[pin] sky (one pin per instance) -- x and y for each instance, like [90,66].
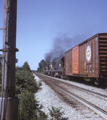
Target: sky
[40,23]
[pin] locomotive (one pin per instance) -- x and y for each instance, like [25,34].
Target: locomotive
[55,68]
[88,60]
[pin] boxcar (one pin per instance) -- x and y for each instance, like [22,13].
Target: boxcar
[88,59]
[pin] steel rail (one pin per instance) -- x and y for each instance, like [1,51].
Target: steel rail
[95,108]
[86,90]
[77,87]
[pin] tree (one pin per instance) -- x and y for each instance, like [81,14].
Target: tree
[26,66]
[25,81]
[41,65]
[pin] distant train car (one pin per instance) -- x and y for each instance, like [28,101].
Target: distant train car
[58,67]
[87,60]
[47,69]
[55,68]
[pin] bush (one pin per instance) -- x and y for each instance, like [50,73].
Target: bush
[26,86]
[56,114]
[29,109]
[25,81]
[26,105]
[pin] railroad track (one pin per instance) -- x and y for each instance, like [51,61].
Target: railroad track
[62,86]
[97,109]
[74,86]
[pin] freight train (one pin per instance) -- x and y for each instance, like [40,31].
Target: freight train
[88,60]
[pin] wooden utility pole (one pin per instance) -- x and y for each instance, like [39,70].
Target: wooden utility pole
[9,101]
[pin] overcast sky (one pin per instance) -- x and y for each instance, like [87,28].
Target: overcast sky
[41,22]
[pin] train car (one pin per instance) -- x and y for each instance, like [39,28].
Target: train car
[55,68]
[47,69]
[88,59]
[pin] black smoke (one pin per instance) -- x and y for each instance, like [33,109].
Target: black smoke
[61,44]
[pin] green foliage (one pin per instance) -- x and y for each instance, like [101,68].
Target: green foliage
[26,66]
[26,108]
[29,109]
[25,81]
[26,86]
[56,114]
[41,65]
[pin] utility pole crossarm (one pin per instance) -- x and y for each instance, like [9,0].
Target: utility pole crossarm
[2,29]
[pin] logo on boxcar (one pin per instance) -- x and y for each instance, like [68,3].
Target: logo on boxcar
[88,53]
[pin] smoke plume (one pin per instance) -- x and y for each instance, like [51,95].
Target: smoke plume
[61,44]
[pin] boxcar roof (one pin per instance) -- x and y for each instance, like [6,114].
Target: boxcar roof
[87,40]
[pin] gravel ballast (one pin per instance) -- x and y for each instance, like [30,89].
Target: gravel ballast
[48,98]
